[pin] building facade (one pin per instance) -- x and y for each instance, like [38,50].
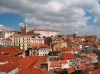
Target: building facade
[42,32]
[22,41]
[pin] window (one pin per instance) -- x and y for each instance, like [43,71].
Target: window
[40,50]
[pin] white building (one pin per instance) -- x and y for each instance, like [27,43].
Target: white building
[37,40]
[5,34]
[44,51]
[62,64]
[23,40]
[6,42]
[42,32]
[39,49]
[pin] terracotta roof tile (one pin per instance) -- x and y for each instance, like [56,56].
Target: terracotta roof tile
[40,61]
[66,56]
[33,44]
[82,66]
[8,67]
[89,55]
[58,63]
[33,61]
[97,71]
[3,58]
[8,39]
[97,42]
[33,71]
[63,61]
[55,64]
[73,69]
[39,45]
[12,50]
[59,38]
[10,63]
[69,49]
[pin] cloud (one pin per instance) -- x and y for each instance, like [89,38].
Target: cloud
[5,27]
[63,15]
[54,6]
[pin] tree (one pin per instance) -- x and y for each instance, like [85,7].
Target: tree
[77,72]
[64,71]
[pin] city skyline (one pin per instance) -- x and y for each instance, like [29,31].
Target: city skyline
[65,16]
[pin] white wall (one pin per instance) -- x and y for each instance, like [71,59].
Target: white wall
[65,65]
[37,40]
[44,51]
[47,33]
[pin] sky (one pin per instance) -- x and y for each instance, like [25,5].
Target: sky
[62,15]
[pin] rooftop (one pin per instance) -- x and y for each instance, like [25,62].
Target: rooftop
[66,56]
[11,50]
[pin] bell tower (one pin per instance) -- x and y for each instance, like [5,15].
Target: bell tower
[75,34]
[24,28]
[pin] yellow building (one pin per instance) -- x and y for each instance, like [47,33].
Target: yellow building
[57,47]
[22,40]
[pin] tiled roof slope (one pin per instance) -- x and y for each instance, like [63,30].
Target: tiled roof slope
[8,67]
[97,71]
[32,61]
[33,71]
[66,56]
[12,50]
[10,63]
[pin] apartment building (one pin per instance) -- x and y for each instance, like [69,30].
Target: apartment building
[23,40]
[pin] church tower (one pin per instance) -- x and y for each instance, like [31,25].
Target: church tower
[24,28]
[75,34]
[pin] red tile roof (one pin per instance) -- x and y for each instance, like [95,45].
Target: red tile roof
[44,45]
[40,61]
[56,69]
[59,38]
[82,66]
[33,44]
[89,36]
[8,39]
[33,61]
[89,44]
[12,50]
[3,58]
[55,64]
[97,42]
[90,55]
[39,45]
[9,63]
[33,71]
[87,66]
[63,61]
[70,70]
[66,56]
[25,62]
[8,67]
[69,49]
[97,71]
[58,63]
